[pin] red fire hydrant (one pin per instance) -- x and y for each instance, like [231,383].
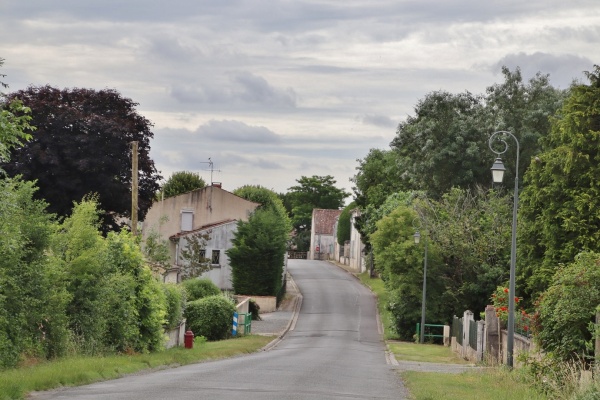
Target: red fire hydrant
[188,339]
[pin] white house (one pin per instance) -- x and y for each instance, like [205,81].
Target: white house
[322,235]
[210,210]
[219,236]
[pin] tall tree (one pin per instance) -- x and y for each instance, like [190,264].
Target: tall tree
[523,108]
[310,193]
[466,233]
[344,227]
[83,145]
[378,176]
[15,125]
[442,145]
[445,144]
[182,182]
[257,255]
[560,204]
[2,84]
[268,199]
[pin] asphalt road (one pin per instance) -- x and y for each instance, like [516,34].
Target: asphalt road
[333,352]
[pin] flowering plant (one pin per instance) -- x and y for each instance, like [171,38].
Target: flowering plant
[523,320]
[500,302]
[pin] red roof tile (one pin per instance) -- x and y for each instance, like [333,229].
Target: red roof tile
[324,220]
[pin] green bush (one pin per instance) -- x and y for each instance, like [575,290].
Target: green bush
[345,224]
[151,304]
[210,317]
[32,292]
[118,295]
[176,299]
[405,310]
[200,288]
[568,308]
[254,308]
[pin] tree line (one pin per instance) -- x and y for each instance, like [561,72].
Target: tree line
[437,172]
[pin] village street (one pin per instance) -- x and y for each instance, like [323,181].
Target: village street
[333,351]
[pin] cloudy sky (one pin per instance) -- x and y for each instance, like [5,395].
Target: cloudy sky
[272,90]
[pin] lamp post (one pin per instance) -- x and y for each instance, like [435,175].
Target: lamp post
[417,239]
[497,175]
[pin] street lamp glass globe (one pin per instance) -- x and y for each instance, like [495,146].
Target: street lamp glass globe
[417,237]
[498,170]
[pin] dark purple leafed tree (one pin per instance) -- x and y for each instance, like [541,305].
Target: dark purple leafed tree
[82,146]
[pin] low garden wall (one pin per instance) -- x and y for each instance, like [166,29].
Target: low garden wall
[267,304]
[176,336]
[485,340]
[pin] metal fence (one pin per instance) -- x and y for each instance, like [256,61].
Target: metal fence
[297,255]
[473,334]
[457,329]
[523,324]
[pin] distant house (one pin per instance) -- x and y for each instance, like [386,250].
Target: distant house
[322,234]
[209,210]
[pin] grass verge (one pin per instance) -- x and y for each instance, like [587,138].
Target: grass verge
[434,353]
[493,383]
[377,287]
[16,383]
[490,383]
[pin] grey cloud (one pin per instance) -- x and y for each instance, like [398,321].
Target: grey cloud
[256,89]
[140,10]
[172,49]
[244,87]
[328,69]
[266,164]
[561,68]
[379,120]
[236,131]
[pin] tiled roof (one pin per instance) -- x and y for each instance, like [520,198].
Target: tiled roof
[202,228]
[324,220]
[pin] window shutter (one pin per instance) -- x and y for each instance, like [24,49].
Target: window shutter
[187,220]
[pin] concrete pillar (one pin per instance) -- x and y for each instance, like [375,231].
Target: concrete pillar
[467,318]
[492,331]
[447,335]
[480,340]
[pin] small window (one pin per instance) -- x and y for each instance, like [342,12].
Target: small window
[202,256]
[216,256]
[187,220]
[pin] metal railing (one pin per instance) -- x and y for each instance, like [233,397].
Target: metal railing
[297,255]
[245,322]
[427,332]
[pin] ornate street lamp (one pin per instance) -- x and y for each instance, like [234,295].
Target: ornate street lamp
[497,175]
[417,238]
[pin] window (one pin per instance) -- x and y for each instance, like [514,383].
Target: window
[187,220]
[216,256]
[202,256]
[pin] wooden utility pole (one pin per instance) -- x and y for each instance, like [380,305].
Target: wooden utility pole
[134,187]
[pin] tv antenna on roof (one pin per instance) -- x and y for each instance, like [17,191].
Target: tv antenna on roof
[210,168]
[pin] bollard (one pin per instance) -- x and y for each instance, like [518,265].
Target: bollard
[235,324]
[188,339]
